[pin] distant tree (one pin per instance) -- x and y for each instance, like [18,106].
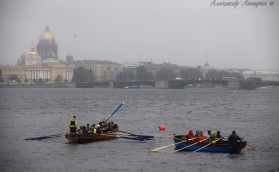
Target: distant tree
[222,74]
[143,75]
[211,74]
[125,76]
[165,75]
[82,74]
[191,74]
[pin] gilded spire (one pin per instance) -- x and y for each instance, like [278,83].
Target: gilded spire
[33,48]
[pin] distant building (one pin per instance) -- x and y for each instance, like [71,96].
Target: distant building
[31,57]
[47,46]
[153,68]
[40,67]
[263,75]
[8,71]
[205,68]
[103,70]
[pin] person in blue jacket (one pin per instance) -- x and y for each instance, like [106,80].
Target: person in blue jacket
[233,138]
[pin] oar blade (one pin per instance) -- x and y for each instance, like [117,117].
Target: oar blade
[45,137]
[158,149]
[131,138]
[38,138]
[118,107]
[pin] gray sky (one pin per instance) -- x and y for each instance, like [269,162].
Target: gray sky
[183,32]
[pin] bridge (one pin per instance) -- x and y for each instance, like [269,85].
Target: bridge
[234,84]
[181,84]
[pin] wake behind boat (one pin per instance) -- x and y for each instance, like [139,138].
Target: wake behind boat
[218,147]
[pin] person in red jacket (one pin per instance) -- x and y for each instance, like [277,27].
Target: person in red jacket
[190,135]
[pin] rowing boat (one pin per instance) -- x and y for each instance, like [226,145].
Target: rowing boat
[218,147]
[86,138]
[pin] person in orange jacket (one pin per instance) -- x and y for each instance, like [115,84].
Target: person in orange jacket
[201,136]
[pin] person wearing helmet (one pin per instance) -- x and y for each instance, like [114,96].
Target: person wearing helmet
[73,124]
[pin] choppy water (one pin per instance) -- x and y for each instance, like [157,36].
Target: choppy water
[29,112]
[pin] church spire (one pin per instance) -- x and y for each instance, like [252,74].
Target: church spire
[33,48]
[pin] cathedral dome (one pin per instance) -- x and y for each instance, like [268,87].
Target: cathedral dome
[47,35]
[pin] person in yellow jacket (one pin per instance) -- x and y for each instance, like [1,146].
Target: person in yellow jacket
[73,124]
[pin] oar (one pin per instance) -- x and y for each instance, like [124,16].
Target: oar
[188,146]
[119,106]
[163,147]
[133,138]
[252,145]
[137,135]
[124,137]
[143,137]
[207,145]
[45,137]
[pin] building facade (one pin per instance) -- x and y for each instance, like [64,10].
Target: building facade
[8,72]
[103,70]
[38,67]
[272,75]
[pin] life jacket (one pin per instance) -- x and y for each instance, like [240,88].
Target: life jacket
[94,130]
[201,137]
[73,122]
[190,136]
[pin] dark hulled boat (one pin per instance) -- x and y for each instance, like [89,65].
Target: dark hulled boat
[218,147]
[86,138]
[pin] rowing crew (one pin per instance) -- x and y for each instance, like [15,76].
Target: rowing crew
[210,136]
[102,127]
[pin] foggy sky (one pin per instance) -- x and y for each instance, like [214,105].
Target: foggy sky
[183,32]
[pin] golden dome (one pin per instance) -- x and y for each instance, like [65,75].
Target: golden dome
[47,35]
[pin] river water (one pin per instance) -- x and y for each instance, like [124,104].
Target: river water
[32,112]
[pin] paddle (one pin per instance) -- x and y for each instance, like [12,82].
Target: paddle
[125,137]
[188,146]
[163,147]
[119,106]
[207,145]
[133,138]
[252,145]
[45,137]
[137,135]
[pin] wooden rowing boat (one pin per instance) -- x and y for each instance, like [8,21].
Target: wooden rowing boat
[86,138]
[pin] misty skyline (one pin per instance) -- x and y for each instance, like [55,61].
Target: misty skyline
[187,33]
